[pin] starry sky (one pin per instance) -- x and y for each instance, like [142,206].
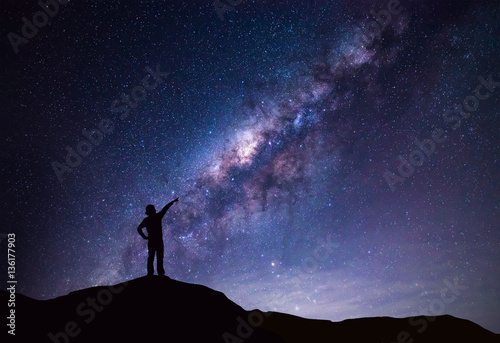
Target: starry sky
[331,161]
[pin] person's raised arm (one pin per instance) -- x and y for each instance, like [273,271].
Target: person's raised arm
[139,229]
[167,206]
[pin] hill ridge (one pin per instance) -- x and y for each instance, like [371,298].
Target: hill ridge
[148,308]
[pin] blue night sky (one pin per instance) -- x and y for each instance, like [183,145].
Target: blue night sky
[331,161]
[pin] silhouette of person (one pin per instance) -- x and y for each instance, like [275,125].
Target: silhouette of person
[152,223]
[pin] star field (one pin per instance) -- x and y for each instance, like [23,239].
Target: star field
[322,165]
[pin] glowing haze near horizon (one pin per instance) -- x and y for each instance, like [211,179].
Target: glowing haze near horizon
[275,129]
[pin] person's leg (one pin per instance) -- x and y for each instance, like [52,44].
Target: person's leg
[159,259]
[151,257]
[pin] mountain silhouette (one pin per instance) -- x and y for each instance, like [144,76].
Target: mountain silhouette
[159,309]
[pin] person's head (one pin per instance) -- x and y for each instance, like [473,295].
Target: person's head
[150,209]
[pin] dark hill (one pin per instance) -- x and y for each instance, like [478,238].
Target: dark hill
[164,310]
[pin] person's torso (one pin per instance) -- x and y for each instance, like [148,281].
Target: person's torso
[153,227]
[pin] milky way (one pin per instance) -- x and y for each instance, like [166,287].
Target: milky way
[276,128]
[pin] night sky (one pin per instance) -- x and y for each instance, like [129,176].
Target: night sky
[327,165]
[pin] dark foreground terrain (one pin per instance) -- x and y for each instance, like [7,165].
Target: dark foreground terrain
[163,310]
